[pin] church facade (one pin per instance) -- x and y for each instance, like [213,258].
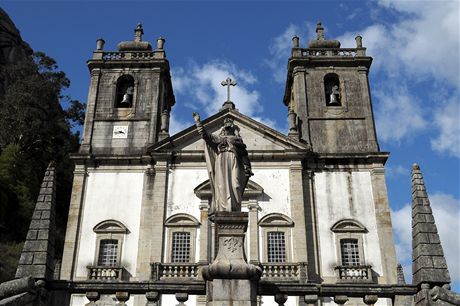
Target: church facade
[317,202]
[140,228]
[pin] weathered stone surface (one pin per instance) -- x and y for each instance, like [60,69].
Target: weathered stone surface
[37,257]
[428,263]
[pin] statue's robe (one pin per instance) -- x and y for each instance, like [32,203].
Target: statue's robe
[226,160]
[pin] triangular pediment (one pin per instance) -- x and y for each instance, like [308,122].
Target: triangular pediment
[257,136]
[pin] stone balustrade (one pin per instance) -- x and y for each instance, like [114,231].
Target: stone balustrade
[105,273]
[164,271]
[352,274]
[329,52]
[284,272]
[128,55]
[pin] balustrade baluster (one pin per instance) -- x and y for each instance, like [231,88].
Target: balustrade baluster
[181,298]
[122,297]
[153,298]
[93,297]
[281,298]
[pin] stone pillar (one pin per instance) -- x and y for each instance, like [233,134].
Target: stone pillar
[299,235]
[253,207]
[384,228]
[85,146]
[300,96]
[234,281]
[146,233]
[204,228]
[73,222]
[372,144]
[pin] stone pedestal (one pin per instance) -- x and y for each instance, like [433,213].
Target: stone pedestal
[234,281]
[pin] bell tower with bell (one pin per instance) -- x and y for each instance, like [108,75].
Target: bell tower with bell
[327,94]
[130,98]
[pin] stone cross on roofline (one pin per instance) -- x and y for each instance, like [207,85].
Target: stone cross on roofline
[228,82]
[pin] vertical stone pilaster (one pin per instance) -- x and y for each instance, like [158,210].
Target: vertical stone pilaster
[384,228]
[85,146]
[155,110]
[204,228]
[160,189]
[299,235]
[253,232]
[300,98]
[372,144]
[311,226]
[146,233]
[73,223]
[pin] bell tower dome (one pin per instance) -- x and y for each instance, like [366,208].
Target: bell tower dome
[130,98]
[328,97]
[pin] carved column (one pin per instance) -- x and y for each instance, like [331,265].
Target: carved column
[299,235]
[253,207]
[204,207]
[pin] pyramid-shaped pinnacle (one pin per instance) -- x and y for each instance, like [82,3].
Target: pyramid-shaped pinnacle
[428,263]
[37,257]
[400,273]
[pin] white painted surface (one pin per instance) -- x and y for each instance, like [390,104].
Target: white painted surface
[111,195]
[343,195]
[275,183]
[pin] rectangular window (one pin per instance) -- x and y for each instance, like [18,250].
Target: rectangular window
[350,252]
[108,250]
[276,247]
[180,247]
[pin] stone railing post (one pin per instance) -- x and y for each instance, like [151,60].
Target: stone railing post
[310,299]
[153,297]
[340,299]
[370,299]
[281,298]
[122,297]
[181,298]
[93,297]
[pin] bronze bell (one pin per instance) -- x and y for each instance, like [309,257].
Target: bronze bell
[334,96]
[127,97]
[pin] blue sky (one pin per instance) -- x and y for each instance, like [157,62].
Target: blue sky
[414,78]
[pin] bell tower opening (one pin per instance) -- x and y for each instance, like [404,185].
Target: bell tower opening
[332,89]
[125,91]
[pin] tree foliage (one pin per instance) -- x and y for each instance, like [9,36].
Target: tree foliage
[35,128]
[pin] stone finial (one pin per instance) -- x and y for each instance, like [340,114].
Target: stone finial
[320,42]
[37,257]
[319,31]
[400,274]
[100,44]
[138,32]
[160,43]
[359,41]
[428,263]
[295,41]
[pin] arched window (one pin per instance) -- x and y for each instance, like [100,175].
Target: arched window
[125,91]
[351,266]
[332,89]
[109,245]
[181,233]
[276,237]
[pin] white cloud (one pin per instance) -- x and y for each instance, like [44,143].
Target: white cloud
[396,170]
[447,120]
[176,125]
[446,211]
[398,114]
[200,88]
[280,51]
[422,46]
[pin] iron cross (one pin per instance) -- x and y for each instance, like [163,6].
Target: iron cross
[228,82]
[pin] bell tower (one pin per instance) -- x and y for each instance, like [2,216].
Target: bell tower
[328,97]
[130,98]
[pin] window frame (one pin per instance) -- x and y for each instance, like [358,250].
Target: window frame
[346,229]
[276,222]
[180,223]
[109,230]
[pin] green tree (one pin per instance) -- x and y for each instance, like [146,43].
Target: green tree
[34,129]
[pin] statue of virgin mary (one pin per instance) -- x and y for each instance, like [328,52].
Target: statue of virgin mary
[228,165]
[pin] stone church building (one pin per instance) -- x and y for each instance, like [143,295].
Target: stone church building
[319,219]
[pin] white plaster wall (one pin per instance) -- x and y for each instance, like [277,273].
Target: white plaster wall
[114,195]
[182,199]
[341,195]
[275,183]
